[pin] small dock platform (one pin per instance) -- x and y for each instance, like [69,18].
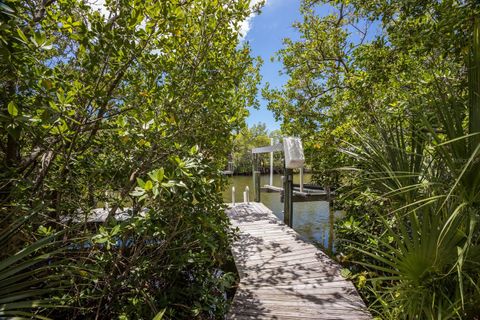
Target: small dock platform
[283,276]
[308,194]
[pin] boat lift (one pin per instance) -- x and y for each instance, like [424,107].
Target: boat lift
[294,158]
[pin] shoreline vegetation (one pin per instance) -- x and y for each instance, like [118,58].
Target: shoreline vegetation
[119,102]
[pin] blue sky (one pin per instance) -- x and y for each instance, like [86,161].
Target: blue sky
[265,37]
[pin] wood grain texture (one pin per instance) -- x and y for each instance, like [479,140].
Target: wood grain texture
[284,277]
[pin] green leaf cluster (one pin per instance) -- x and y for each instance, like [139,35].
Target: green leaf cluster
[94,101]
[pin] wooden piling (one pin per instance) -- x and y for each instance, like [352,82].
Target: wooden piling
[256,185]
[288,195]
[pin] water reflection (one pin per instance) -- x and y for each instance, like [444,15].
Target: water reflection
[310,219]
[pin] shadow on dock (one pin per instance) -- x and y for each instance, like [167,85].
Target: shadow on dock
[284,277]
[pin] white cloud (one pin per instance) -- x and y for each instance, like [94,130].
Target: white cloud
[99,5]
[246,24]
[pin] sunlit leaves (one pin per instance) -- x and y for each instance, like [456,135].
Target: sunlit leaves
[12,109]
[94,100]
[22,35]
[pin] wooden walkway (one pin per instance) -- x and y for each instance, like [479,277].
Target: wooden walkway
[284,277]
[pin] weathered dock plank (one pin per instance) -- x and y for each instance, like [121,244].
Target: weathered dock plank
[284,277]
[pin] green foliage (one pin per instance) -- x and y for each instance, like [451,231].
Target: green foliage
[92,102]
[167,257]
[423,251]
[31,276]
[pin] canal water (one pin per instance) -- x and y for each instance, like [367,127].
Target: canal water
[312,220]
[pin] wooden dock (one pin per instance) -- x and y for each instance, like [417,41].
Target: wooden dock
[283,276]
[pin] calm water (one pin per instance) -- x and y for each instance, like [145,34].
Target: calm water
[312,220]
